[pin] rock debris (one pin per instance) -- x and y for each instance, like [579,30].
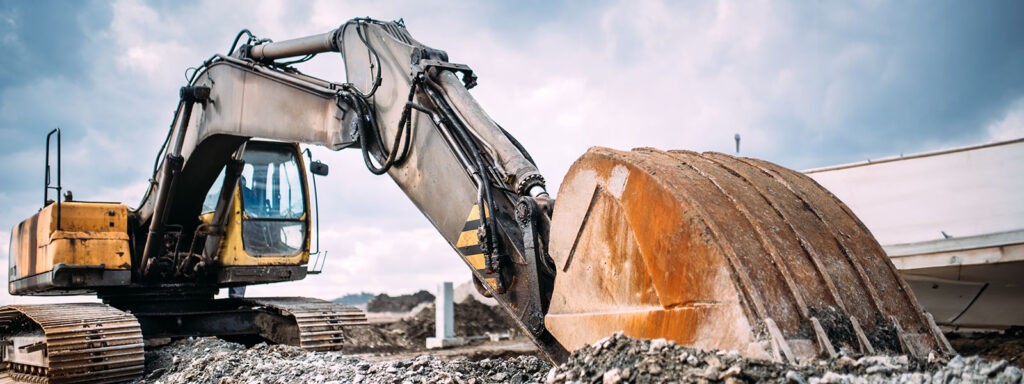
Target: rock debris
[613,360]
[214,361]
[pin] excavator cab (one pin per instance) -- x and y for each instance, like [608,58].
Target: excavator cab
[267,233]
[74,247]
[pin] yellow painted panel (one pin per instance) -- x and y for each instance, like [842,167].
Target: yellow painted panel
[85,217]
[232,253]
[468,238]
[91,234]
[111,253]
[24,243]
[477,261]
[206,218]
[474,213]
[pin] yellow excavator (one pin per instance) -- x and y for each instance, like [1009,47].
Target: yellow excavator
[709,250]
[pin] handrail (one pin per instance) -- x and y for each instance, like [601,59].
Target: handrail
[46,184]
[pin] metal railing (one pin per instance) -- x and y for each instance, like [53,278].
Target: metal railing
[46,184]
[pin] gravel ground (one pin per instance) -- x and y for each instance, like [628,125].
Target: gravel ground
[1008,345]
[620,359]
[214,361]
[617,359]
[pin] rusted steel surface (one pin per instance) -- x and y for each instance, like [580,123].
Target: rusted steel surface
[85,343]
[319,324]
[721,252]
[90,234]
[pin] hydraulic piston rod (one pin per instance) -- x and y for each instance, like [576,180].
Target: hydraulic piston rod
[324,42]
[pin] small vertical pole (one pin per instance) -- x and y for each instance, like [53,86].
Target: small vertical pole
[444,319]
[445,313]
[58,179]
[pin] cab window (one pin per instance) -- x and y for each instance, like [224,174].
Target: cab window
[270,185]
[273,201]
[210,202]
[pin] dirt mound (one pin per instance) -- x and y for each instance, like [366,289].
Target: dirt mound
[377,338]
[467,289]
[403,303]
[1007,345]
[354,298]
[472,318]
[417,328]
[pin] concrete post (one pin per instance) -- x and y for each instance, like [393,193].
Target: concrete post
[444,319]
[444,316]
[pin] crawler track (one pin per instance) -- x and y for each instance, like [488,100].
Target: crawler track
[320,323]
[84,343]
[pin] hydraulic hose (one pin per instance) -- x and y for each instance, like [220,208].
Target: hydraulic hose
[368,128]
[434,90]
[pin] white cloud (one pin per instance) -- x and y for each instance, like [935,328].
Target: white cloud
[8,25]
[662,74]
[1011,125]
[621,74]
[5,244]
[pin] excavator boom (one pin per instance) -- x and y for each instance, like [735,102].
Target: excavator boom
[709,250]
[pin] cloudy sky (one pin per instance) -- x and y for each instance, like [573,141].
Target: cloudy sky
[806,84]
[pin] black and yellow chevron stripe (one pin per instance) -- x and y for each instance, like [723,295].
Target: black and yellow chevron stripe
[469,244]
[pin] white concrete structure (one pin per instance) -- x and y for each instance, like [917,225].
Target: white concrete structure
[444,319]
[952,221]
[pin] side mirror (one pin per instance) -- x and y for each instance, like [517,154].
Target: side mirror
[318,168]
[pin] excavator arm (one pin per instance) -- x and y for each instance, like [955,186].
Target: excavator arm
[410,113]
[705,249]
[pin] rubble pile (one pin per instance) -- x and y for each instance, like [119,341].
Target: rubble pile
[415,328]
[379,338]
[616,359]
[620,359]
[472,318]
[403,303]
[213,361]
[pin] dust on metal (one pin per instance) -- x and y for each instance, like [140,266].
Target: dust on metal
[721,252]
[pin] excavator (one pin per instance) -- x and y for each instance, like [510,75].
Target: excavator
[709,250]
